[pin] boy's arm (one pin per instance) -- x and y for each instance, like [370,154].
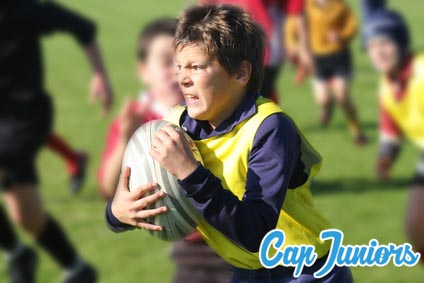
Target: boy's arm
[295,10]
[122,128]
[349,27]
[274,155]
[110,164]
[46,17]
[389,145]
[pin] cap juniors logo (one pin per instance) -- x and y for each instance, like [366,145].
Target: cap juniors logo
[299,256]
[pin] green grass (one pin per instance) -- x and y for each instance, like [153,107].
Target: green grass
[346,189]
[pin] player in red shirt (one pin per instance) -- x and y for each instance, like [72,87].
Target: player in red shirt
[195,261]
[270,15]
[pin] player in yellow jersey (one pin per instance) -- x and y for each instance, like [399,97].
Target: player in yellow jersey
[401,98]
[257,165]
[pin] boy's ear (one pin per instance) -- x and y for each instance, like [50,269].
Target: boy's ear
[244,73]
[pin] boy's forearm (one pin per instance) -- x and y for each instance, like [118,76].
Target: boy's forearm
[95,58]
[245,222]
[112,170]
[350,28]
[302,32]
[387,155]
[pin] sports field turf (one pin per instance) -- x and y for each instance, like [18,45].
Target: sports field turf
[346,189]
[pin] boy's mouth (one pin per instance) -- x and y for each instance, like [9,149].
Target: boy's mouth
[190,98]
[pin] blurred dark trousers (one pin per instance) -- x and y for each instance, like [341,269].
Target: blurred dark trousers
[285,275]
[196,262]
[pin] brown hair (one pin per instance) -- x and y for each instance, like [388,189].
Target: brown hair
[163,26]
[228,34]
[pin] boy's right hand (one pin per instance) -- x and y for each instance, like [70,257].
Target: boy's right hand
[132,207]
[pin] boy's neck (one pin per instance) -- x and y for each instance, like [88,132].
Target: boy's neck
[401,69]
[157,106]
[228,111]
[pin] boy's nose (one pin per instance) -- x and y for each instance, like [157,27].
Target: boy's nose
[184,80]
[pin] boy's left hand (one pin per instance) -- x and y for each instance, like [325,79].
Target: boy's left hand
[171,149]
[100,90]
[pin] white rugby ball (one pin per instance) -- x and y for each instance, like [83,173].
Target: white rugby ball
[181,218]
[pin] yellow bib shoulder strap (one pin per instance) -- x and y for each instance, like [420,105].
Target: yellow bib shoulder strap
[174,115]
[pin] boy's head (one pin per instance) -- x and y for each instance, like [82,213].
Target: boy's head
[387,40]
[155,66]
[219,58]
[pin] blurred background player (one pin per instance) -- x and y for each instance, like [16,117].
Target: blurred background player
[195,261]
[271,14]
[331,27]
[401,96]
[25,126]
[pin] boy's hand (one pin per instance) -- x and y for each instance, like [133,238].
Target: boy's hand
[171,149]
[100,89]
[132,208]
[333,36]
[131,118]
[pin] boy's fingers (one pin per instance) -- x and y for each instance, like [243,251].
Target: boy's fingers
[163,135]
[125,179]
[147,201]
[142,190]
[143,214]
[172,131]
[147,226]
[157,141]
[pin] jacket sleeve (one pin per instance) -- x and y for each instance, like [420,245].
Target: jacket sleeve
[273,158]
[113,223]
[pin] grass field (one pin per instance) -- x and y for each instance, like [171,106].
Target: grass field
[346,189]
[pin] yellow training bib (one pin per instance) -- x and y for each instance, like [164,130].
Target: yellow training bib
[226,156]
[408,113]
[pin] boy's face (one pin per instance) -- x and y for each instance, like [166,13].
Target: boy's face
[383,54]
[210,92]
[157,72]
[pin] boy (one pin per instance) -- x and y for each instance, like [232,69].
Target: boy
[331,28]
[271,16]
[401,106]
[195,261]
[258,167]
[25,123]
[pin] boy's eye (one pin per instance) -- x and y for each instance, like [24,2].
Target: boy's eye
[197,67]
